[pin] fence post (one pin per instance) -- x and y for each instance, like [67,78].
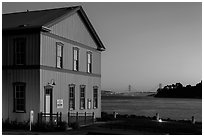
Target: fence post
[68,118]
[40,117]
[77,117]
[51,117]
[57,118]
[60,116]
[85,117]
[93,117]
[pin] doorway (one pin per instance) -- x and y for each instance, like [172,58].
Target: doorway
[48,102]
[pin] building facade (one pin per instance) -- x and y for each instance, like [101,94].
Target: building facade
[51,63]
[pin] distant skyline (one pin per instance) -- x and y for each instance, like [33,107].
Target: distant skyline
[146,43]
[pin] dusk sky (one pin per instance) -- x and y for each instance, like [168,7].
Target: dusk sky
[146,43]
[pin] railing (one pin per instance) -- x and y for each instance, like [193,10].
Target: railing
[54,118]
[80,118]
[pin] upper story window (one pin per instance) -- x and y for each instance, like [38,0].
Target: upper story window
[76,59]
[71,97]
[20,51]
[82,96]
[95,97]
[59,54]
[19,97]
[89,62]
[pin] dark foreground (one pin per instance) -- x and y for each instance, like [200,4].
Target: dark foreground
[126,126]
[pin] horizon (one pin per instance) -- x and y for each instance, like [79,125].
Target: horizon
[146,43]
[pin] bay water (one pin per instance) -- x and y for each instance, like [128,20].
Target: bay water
[173,108]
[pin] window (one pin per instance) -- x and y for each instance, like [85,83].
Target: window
[95,97]
[19,97]
[76,59]
[82,96]
[19,51]
[89,62]
[71,97]
[59,54]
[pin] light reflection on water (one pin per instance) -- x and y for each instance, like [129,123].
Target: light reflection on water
[173,108]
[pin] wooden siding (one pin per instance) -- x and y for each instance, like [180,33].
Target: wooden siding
[73,28]
[61,90]
[48,55]
[32,48]
[31,78]
[96,63]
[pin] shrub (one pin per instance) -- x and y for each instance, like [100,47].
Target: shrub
[7,124]
[43,126]
[75,125]
[62,126]
[49,126]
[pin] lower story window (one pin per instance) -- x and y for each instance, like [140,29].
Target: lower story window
[95,97]
[19,97]
[82,97]
[71,97]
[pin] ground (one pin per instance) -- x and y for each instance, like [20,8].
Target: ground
[129,126]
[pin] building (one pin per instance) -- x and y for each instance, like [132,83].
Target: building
[51,63]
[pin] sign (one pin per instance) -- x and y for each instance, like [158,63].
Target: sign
[59,103]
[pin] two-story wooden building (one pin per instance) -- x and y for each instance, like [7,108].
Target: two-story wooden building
[51,63]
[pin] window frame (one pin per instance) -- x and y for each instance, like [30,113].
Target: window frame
[15,98]
[22,54]
[89,64]
[82,98]
[59,44]
[72,98]
[95,98]
[77,60]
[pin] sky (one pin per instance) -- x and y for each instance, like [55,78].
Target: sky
[146,43]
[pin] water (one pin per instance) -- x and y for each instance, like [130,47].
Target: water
[173,108]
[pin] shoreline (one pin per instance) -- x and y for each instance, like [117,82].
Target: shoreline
[150,95]
[152,124]
[110,116]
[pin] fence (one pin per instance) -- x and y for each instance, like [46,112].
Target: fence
[50,117]
[81,118]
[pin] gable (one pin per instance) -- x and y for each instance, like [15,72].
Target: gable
[74,28]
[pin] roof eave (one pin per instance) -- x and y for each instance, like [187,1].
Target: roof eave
[45,29]
[40,28]
[101,49]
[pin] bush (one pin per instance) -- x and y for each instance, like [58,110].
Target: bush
[49,126]
[75,125]
[7,124]
[106,117]
[14,125]
[62,126]
[43,127]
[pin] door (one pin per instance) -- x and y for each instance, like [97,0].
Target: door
[48,103]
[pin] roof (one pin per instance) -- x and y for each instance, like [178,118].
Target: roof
[46,18]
